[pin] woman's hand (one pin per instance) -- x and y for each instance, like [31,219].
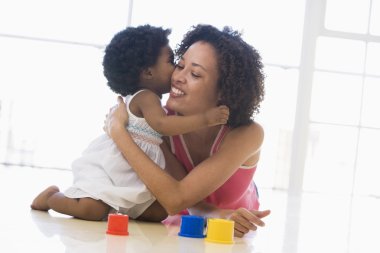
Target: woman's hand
[116,119]
[246,220]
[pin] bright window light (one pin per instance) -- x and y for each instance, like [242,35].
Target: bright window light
[330,159]
[373,59]
[374,27]
[347,15]
[84,21]
[336,98]
[371,103]
[340,55]
[368,174]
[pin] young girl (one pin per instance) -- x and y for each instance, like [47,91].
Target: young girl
[138,64]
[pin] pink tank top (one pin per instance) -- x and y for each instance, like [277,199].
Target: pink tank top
[238,191]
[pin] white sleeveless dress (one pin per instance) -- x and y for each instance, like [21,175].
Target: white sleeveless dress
[102,173]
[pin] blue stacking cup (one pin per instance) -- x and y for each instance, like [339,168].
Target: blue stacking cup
[192,226]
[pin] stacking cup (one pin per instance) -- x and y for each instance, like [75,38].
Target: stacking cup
[192,226]
[220,231]
[118,224]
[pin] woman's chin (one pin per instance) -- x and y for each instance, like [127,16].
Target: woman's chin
[169,104]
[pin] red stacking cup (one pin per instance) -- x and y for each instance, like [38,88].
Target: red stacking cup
[117,224]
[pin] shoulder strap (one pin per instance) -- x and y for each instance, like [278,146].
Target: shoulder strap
[222,132]
[128,100]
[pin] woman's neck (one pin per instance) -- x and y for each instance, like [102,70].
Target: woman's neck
[200,142]
[207,133]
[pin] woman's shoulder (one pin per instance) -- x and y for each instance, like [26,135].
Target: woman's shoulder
[253,129]
[250,135]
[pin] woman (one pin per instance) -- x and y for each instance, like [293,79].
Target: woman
[214,68]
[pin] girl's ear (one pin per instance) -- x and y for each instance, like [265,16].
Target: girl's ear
[147,74]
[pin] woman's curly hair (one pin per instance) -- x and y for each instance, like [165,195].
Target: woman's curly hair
[129,52]
[241,77]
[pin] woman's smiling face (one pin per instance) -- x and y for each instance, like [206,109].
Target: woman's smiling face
[194,80]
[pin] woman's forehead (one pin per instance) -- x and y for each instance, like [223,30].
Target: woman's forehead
[201,53]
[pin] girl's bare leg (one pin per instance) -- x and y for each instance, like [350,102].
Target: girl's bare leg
[40,202]
[83,208]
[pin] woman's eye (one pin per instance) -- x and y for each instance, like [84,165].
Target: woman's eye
[178,66]
[195,75]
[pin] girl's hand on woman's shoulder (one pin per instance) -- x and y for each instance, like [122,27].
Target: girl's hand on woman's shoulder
[247,220]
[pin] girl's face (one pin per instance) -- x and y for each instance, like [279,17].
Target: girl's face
[194,80]
[162,71]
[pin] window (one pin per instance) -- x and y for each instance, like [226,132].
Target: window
[53,96]
[320,112]
[344,125]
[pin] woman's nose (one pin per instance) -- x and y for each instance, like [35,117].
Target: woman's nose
[178,76]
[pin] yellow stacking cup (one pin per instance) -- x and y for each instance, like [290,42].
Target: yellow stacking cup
[220,231]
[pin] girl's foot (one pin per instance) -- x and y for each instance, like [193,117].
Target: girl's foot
[40,202]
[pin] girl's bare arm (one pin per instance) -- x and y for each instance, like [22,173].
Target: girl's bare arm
[150,106]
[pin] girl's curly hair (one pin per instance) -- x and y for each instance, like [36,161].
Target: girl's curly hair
[129,52]
[241,77]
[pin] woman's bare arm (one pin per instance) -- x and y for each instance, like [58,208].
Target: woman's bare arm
[240,145]
[173,166]
[245,220]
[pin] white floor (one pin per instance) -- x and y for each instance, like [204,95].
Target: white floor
[308,223]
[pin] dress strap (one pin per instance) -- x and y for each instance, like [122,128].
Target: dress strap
[179,148]
[222,132]
[129,98]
